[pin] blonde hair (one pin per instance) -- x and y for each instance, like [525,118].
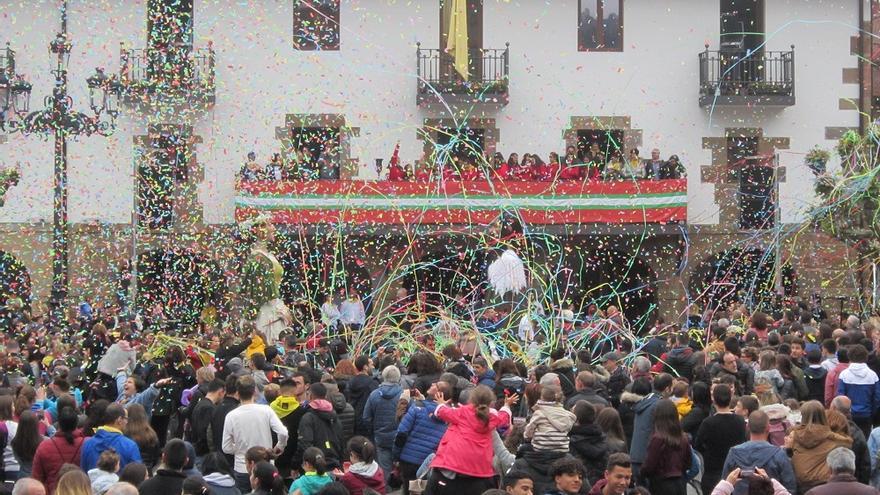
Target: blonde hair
[74,483]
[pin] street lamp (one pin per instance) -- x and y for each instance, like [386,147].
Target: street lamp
[59,120]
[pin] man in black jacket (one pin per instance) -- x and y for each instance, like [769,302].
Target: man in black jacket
[230,401]
[202,416]
[168,479]
[358,391]
[584,384]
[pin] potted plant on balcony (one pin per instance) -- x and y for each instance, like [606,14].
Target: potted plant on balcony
[9,177]
[817,159]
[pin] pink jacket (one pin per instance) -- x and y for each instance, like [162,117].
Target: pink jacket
[466,447]
[831,382]
[725,488]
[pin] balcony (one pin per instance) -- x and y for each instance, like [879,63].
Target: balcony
[7,61]
[736,78]
[154,79]
[440,85]
[334,202]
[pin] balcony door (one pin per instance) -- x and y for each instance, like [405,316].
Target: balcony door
[475,41]
[741,43]
[462,144]
[169,39]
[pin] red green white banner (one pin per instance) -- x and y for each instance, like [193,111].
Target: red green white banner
[463,202]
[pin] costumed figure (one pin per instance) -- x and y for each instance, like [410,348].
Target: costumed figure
[261,284]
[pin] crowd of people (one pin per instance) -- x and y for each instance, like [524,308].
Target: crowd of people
[592,164]
[737,402]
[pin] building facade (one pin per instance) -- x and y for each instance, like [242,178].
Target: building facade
[208,81]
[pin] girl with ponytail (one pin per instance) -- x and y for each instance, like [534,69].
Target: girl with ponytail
[314,473]
[463,464]
[364,472]
[265,480]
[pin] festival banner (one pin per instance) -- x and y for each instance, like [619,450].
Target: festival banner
[463,202]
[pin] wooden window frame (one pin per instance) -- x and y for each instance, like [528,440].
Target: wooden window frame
[315,47]
[601,28]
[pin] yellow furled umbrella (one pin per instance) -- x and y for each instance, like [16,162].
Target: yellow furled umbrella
[457,38]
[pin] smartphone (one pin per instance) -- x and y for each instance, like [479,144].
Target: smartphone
[747,473]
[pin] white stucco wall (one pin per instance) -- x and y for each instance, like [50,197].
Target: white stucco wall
[371,80]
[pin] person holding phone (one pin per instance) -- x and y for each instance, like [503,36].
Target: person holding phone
[759,481]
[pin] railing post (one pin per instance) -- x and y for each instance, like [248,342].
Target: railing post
[791,61]
[123,63]
[507,62]
[211,70]
[10,61]
[419,61]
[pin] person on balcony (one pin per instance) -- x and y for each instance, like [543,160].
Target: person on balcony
[395,172]
[251,171]
[674,168]
[553,168]
[275,169]
[572,170]
[506,168]
[655,168]
[632,167]
[524,170]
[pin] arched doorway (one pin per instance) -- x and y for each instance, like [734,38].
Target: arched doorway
[15,288]
[179,281]
[738,275]
[608,277]
[447,274]
[313,269]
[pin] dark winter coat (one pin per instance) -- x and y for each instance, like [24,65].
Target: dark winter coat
[643,426]
[680,361]
[587,443]
[357,393]
[627,413]
[165,482]
[345,413]
[380,414]
[655,348]
[587,394]
[537,464]
[320,429]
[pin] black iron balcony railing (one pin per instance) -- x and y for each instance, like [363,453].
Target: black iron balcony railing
[181,72]
[743,78]
[7,61]
[489,75]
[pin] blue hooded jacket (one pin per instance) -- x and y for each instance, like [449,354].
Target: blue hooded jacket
[421,431]
[643,426]
[488,379]
[380,414]
[861,385]
[93,447]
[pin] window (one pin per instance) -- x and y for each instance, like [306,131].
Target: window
[316,24]
[600,25]
[319,151]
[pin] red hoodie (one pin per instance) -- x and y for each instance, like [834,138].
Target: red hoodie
[357,482]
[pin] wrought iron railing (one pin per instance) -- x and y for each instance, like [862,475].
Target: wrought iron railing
[7,61]
[179,68]
[489,71]
[740,73]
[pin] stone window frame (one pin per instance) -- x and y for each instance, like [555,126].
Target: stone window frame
[632,138]
[348,165]
[427,134]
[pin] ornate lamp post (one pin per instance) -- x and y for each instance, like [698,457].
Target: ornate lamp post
[58,119]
